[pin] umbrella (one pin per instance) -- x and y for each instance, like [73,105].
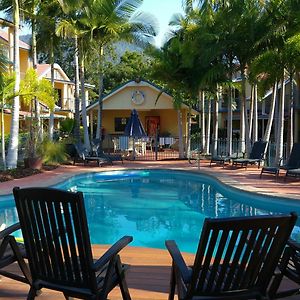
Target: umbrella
[134,128]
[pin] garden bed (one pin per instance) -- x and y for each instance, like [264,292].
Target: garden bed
[21,172]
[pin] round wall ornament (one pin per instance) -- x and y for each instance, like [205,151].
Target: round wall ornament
[138,97]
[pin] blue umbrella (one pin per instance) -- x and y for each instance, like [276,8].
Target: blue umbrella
[134,129]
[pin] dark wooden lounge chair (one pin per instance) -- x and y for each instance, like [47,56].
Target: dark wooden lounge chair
[292,173]
[292,165]
[236,258]
[57,242]
[256,156]
[82,154]
[289,266]
[11,252]
[222,159]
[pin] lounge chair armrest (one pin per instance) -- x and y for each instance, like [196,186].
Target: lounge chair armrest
[9,230]
[112,251]
[293,244]
[178,260]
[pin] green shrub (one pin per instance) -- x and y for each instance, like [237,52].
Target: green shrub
[66,126]
[53,153]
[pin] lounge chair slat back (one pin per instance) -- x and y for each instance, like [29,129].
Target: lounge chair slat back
[237,254]
[294,158]
[258,150]
[57,237]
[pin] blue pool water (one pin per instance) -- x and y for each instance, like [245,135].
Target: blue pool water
[156,205]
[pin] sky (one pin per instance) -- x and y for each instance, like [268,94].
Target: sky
[163,10]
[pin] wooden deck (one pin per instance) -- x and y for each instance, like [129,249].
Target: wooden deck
[148,278]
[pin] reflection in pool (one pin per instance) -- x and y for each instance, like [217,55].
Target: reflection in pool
[155,205]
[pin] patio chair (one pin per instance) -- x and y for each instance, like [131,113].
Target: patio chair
[289,266]
[236,258]
[82,154]
[57,242]
[256,155]
[222,159]
[10,252]
[292,165]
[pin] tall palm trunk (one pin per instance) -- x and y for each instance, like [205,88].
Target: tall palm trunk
[189,133]
[51,118]
[2,136]
[202,108]
[271,113]
[34,63]
[86,136]
[12,156]
[180,135]
[208,120]
[290,129]
[215,125]
[251,112]
[76,95]
[255,115]
[246,123]
[100,98]
[229,123]
[279,137]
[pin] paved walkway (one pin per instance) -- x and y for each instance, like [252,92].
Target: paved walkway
[150,268]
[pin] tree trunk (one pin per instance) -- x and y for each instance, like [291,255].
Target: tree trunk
[34,63]
[202,108]
[180,136]
[189,133]
[12,156]
[290,129]
[255,116]
[86,136]
[76,94]
[51,118]
[207,144]
[229,123]
[2,136]
[216,124]
[242,125]
[251,112]
[271,114]
[100,97]
[246,123]
[279,137]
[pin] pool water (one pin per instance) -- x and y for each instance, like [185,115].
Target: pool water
[156,205]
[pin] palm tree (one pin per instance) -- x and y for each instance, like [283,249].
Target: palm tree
[111,20]
[48,41]
[6,88]
[12,152]
[70,27]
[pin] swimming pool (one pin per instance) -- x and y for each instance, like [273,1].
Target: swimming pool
[155,205]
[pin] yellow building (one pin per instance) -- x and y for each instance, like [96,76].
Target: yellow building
[65,87]
[142,95]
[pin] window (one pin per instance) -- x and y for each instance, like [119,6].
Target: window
[120,124]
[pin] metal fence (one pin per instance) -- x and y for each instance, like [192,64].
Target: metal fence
[164,148]
[236,144]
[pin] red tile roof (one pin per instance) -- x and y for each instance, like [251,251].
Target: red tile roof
[41,68]
[4,36]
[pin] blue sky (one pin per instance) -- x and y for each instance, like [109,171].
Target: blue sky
[163,11]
